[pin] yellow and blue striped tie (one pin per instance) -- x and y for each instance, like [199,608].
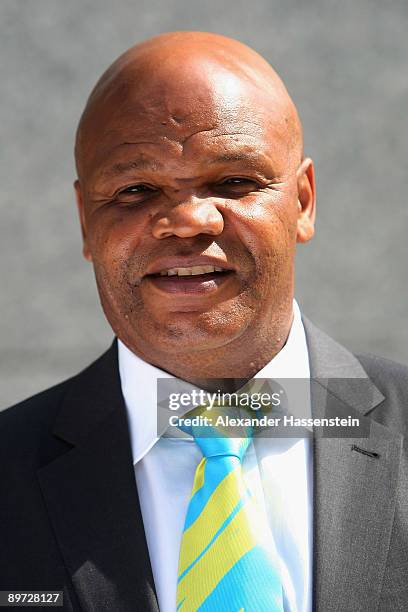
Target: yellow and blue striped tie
[223,566]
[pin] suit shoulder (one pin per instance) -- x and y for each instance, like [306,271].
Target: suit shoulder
[391,378]
[44,404]
[28,426]
[39,407]
[385,372]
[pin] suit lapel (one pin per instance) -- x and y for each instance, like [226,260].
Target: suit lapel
[354,492]
[91,496]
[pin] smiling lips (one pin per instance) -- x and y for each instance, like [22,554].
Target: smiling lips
[194,279]
[190,271]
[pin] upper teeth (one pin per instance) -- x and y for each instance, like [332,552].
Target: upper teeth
[189,271]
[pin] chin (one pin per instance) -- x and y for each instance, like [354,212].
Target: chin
[189,332]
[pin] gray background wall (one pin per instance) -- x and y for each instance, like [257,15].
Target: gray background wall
[345,64]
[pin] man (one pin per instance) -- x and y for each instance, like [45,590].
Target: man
[193,191]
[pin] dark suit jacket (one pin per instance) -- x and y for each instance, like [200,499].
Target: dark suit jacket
[69,511]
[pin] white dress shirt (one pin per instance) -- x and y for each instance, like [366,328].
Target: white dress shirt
[278,471]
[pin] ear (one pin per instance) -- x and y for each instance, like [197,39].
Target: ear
[306,200]
[81,211]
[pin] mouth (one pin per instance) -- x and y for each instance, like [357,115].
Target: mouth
[190,279]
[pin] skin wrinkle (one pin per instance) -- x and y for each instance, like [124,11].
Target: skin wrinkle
[196,108]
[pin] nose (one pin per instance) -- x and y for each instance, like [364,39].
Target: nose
[188,219]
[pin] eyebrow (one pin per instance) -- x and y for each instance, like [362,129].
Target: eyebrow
[227,157]
[258,159]
[135,164]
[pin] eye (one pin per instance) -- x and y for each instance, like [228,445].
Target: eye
[140,188]
[235,180]
[238,185]
[135,193]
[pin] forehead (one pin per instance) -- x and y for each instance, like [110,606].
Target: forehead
[212,114]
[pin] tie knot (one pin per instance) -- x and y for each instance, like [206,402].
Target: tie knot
[223,447]
[213,436]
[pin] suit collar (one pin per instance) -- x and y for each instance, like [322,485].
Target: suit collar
[333,366]
[91,396]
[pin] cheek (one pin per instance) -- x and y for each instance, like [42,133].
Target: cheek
[112,235]
[115,242]
[119,240]
[267,226]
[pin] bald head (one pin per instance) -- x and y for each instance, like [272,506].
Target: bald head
[183,73]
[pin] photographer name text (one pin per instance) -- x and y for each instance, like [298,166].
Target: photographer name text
[285,421]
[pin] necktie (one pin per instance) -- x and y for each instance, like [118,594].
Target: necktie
[223,563]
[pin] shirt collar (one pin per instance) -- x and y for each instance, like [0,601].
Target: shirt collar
[139,383]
